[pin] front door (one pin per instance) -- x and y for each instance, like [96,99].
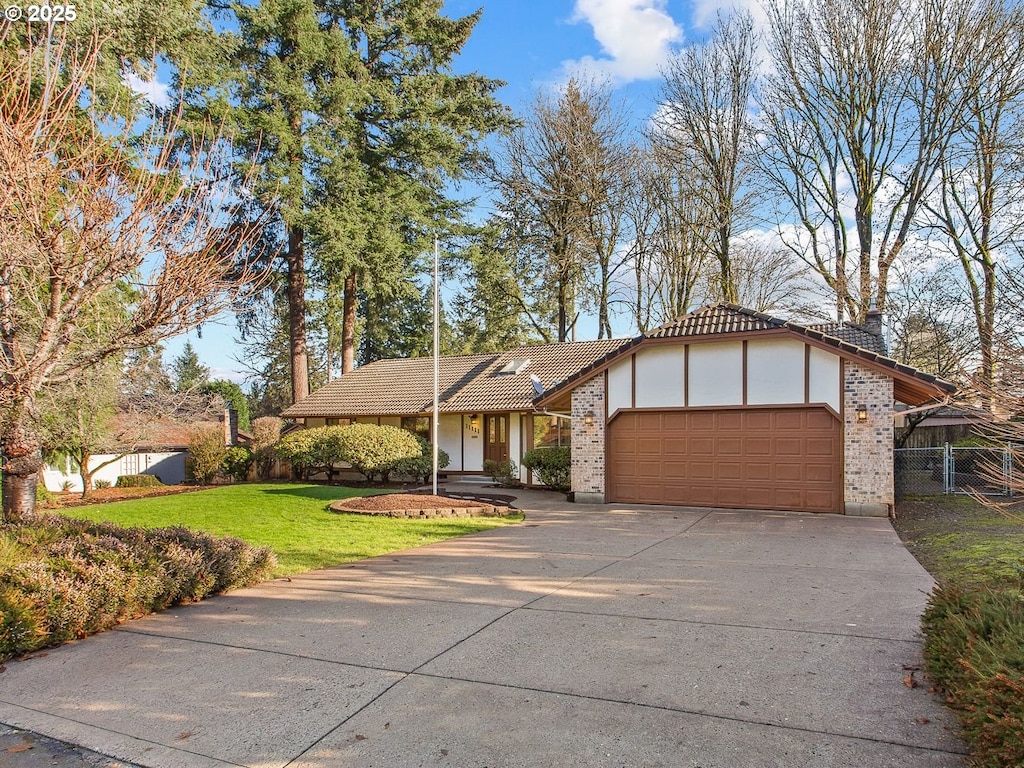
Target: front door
[496,437]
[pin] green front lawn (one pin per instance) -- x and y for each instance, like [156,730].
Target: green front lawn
[290,518]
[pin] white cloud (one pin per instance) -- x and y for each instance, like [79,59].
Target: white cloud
[705,11]
[636,35]
[151,89]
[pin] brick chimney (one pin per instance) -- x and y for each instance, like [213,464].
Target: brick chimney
[873,320]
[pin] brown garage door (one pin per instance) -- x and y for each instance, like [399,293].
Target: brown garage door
[759,458]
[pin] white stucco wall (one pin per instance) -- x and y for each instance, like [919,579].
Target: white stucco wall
[660,377]
[716,374]
[620,385]
[450,439]
[824,385]
[775,371]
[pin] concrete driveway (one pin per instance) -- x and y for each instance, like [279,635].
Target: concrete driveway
[586,636]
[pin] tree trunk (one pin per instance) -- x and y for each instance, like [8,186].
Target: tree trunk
[22,460]
[297,314]
[348,327]
[85,473]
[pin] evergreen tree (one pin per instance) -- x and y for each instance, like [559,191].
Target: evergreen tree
[189,374]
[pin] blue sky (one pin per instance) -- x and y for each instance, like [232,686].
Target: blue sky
[534,45]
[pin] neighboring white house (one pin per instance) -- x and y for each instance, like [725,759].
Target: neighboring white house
[161,453]
[722,407]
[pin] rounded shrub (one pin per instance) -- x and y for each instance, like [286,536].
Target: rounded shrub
[553,466]
[137,481]
[419,468]
[374,450]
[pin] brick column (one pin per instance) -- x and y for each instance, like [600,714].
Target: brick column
[588,442]
[867,445]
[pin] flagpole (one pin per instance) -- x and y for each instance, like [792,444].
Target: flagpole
[437,339]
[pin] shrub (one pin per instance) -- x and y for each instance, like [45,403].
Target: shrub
[504,473]
[101,484]
[266,431]
[419,468]
[206,452]
[65,578]
[374,450]
[552,465]
[136,481]
[974,649]
[236,463]
[311,451]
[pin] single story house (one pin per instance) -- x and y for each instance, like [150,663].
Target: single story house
[160,449]
[722,407]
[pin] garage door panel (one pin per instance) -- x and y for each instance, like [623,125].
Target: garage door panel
[730,446]
[728,470]
[793,473]
[701,470]
[699,420]
[762,458]
[648,421]
[790,446]
[675,446]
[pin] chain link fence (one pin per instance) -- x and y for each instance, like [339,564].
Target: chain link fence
[948,469]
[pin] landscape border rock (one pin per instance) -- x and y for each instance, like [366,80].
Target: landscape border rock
[486,510]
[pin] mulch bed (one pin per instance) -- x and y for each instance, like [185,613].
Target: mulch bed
[417,505]
[104,495]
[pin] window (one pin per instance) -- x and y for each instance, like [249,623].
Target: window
[550,431]
[514,366]
[339,422]
[418,425]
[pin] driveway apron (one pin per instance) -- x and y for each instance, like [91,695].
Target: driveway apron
[586,636]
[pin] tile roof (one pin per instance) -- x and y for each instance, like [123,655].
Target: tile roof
[404,386]
[853,334]
[714,320]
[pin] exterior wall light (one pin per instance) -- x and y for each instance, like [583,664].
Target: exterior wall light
[862,413]
[474,422]
[588,418]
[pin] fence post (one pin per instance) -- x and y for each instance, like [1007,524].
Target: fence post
[1008,468]
[947,469]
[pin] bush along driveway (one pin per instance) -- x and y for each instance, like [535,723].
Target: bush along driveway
[64,577]
[974,623]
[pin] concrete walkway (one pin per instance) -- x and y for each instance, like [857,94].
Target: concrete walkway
[586,636]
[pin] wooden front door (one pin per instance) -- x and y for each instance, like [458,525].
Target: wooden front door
[496,437]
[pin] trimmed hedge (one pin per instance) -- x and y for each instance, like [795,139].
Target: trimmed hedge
[62,579]
[138,481]
[974,649]
[372,450]
[553,466]
[420,468]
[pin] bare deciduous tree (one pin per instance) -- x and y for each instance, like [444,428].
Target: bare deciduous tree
[977,205]
[705,123]
[668,257]
[862,101]
[87,210]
